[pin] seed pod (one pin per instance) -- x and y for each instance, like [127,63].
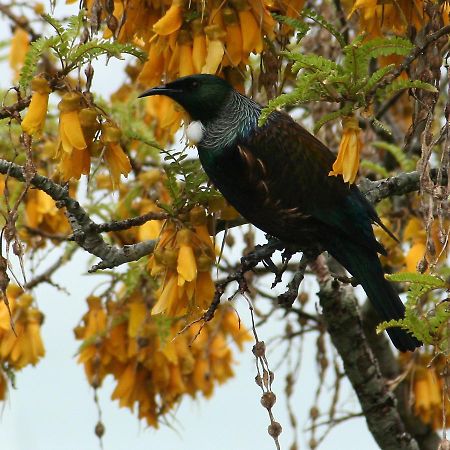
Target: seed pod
[274,429]
[268,399]
[259,349]
[422,266]
[99,429]
[314,412]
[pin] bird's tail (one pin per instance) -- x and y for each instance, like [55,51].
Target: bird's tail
[366,268]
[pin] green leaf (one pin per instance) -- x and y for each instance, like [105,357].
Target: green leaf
[374,167]
[406,163]
[344,111]
[381,46]
[311,62]
[377,76]
[401,85]
[299,26]
[381,125]
[423,279]
[316,17]
[32,57]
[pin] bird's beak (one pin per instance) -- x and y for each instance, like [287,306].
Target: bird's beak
[160,90]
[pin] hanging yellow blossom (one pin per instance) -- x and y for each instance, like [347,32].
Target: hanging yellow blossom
[378,16]
[115,157]
[33,122]
[425,376]
[20,43]
[182,38]
[23,345]
[72,147]
[153,364]
[347,161]
[416,235]
[184,259]
[172,19]
[41,213]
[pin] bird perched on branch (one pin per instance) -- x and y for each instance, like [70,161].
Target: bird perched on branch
[276,176]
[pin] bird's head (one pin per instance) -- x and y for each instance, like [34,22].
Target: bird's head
[200,95]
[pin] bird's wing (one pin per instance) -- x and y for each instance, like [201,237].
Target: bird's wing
[293,166]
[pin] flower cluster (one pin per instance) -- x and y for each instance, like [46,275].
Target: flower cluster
[182,261]
[182,38]
[153,363]
[425,375]
[416,235]
[379,16]
[79,133]
[22,345]
[42,214]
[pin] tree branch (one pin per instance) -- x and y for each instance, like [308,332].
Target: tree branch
[378,403]
[86,233]
[13,110]
[401,184]
[389,367]
[84,228]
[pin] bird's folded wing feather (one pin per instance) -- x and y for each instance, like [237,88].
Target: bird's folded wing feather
[290,164]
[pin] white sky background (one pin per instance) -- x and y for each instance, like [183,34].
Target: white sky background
[53,408]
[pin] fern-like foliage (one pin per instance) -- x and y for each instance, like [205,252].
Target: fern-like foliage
[317,18]
[432,327]
[186,182]
[300,27]
[37,48]
[349,81]
[407,163]
[65,46]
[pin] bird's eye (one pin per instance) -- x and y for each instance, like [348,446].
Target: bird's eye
[194,84]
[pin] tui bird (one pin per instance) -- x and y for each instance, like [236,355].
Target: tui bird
[276,176]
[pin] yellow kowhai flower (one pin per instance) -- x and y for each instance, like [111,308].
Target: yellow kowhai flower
[388,15]
[42,213]
[198,45]
[153,364]
[34,121]
[24,346]
[114,156]
[347,161]
[184,259]
[72,147]
[152,228]
[416,234]
[172,19]
[425,375]
[20,43]
[215,48]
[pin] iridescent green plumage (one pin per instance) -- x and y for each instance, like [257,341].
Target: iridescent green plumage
[276,176]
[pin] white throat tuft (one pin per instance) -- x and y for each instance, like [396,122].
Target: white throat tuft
[195,131]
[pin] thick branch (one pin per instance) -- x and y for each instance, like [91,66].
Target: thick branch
[389,367]
[84,229]
[378,403]
[13,110]
[401,184]
[118,225]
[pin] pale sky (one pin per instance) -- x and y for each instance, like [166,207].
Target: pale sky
[52,408]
